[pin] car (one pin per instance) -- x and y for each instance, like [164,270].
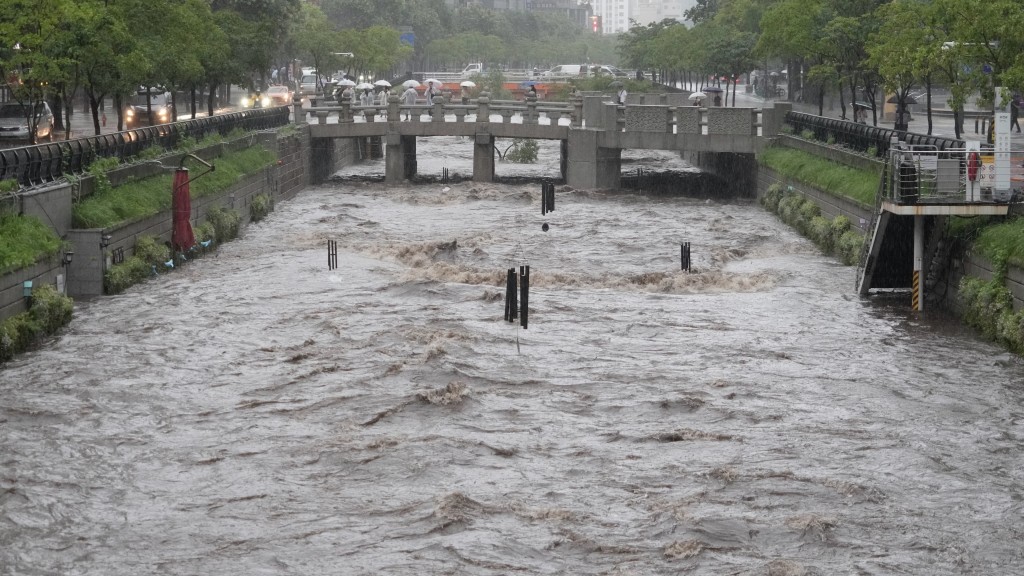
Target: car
[279,95]
[138,111]
[308,84]
[563,70]
[16,118]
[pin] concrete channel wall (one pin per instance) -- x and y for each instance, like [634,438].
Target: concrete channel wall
[94,248]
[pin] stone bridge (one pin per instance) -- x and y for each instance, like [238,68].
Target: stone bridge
[593,131]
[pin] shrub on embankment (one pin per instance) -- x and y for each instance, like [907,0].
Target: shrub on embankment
[151,257]
[857,184]
[49,311]
[149,196]
[988,306]
[835,237]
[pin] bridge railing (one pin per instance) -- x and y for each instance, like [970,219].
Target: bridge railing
[34,165]
[725,121]
[480,110]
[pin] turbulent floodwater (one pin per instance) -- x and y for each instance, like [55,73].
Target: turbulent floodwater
[255,413]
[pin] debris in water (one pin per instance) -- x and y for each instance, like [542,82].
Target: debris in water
[684,549]
[452,393]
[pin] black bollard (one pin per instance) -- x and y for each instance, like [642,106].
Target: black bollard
[551,196]
[332,254]
[510,296]
[524,290]
[543,199]
[684,256]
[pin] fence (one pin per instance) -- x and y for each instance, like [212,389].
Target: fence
[862,137]
[34,165]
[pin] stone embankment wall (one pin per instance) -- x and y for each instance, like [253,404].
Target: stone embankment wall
[860,216]
[93,253]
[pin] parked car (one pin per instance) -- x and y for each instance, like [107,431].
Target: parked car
[15,121]
[279,95]
[138,111]
[601,69]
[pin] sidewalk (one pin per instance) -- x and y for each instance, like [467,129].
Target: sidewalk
[942,124]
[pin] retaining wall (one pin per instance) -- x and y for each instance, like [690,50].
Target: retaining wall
[93,254]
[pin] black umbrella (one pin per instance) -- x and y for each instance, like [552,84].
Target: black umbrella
[908,99]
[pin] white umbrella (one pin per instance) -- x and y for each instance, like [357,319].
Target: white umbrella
[345,82]
[364,86]
[383,83]
[468,84]
[698,96]
[410,84]
[429,81]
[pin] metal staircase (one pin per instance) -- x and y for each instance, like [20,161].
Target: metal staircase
[872,240]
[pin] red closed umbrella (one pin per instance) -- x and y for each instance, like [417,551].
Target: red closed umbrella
[181,205]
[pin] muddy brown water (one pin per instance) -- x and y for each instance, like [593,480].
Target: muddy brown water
[256,413]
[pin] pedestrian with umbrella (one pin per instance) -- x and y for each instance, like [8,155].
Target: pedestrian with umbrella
[410,96]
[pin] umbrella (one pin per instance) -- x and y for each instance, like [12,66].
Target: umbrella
[712,89]
[181,234]
[411,84]
[908,99]
[429,81]
[383,83]
[364,86]
[468,84]
[345,82]
[698,96]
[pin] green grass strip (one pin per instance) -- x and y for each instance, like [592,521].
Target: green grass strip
[25,240]
[150,196]
[1004,240]
[854,183]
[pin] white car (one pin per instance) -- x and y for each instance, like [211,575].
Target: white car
[15,119]
[308,84]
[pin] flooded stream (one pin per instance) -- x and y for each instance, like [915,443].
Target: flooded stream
[256,413]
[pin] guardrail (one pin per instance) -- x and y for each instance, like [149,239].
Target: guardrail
[530,111]
[42,163]
[862,137]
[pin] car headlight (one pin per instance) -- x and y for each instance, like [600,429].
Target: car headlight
[265,102]
[129,113]
[245,102]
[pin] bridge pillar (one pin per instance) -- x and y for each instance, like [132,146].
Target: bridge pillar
[588,165]
[483,158]
[395,158]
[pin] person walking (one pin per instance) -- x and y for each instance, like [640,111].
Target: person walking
[622,96]
[409,96]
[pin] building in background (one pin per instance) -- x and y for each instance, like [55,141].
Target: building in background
[614,15]
[646,12]
[579,11]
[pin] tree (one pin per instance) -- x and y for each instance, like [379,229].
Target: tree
[316,37]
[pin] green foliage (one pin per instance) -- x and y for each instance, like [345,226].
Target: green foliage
[1003,242]
[834,236]
[522,151]
[988,306]
[493,82]
[25,240]
[807,134]
[149,196]
[9,185]
[772,197]
[149,252]
[49,312]
[857,184]
[260,206]
[225,224]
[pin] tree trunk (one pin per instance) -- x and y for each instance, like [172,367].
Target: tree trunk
[119,104]
[928,100]
[94,107]
[193,107]
[842,101]
[209,99]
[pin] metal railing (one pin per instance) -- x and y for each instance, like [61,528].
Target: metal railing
[925,175]
[861,137]
[42,163]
